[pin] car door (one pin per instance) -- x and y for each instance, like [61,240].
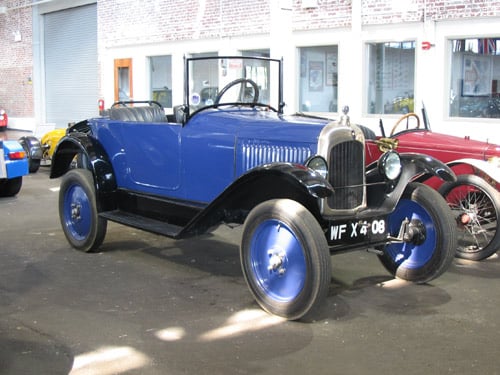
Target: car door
[150,157]
[207,153]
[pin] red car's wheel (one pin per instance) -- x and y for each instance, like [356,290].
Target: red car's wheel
[476,207]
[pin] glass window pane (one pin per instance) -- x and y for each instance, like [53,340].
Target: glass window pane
[123,83]
[391,68]
[161,80]
[318,79]
[475,78]
[231,80]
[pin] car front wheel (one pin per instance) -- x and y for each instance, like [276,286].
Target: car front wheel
[285,259]
[430,236]
[82,226]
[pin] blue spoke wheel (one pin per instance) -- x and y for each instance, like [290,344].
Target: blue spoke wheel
[285,259]
[430,236]
[82,226]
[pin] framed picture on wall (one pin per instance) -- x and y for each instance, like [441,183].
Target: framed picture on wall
[477,75]
[331,69]
[316,72]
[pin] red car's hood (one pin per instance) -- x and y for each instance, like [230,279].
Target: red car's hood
[446,147]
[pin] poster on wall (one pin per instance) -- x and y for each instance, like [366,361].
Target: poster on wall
[315,76]
[477,75]
[331,69]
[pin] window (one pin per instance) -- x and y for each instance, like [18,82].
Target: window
[161,80]
[123,80]
[475,78]
[205,77]
[391,76]
[318,79]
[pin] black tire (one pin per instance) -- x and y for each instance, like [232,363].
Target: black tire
[10,187]
[82,226]
[427,255]
[34,165]
[285,259]
[476,206]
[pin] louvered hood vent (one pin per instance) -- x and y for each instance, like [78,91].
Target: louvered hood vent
[254,154]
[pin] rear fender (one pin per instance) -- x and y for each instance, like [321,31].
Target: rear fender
[33,146]
[98,163]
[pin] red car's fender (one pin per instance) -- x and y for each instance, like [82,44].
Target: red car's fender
[488,170]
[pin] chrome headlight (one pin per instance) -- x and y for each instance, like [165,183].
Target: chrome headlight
[318,164]
[389,165]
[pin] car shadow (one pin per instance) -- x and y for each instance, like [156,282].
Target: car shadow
[206,253]
[346,300]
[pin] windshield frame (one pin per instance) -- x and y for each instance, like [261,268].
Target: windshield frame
[190,111]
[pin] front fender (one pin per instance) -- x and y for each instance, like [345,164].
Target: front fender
[32,146]
[271,181]
[76,143]
[416,167]
[417,164]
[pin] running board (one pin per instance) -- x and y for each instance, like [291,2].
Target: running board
[141,222]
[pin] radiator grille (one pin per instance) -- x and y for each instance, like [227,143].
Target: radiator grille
[346,175]
[254,155]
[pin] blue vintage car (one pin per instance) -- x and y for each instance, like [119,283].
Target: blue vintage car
[297,184]
[13,166]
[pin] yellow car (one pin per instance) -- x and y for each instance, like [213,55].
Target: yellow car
[401,104]
[49,142]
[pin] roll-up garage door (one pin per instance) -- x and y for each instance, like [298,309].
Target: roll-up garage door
[71,73]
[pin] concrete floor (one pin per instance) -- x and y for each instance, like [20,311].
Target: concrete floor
[150,305]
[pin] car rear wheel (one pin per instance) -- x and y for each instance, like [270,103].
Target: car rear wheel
[82,226]
[10,187]
[285,259]
[430,243]
[476,206]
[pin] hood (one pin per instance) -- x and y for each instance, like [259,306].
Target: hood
[264,125]
[448,147]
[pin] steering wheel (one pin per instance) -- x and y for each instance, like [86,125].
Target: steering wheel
[405,117]
[244,93]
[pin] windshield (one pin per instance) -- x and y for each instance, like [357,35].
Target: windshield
[218,81]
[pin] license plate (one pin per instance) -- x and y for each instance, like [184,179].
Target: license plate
[372,230]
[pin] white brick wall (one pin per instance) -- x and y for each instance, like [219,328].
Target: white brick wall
[128,28]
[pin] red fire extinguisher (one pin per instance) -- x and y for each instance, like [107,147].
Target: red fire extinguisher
[100,103]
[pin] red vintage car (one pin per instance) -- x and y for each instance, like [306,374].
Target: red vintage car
[474,198]
[4,119]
